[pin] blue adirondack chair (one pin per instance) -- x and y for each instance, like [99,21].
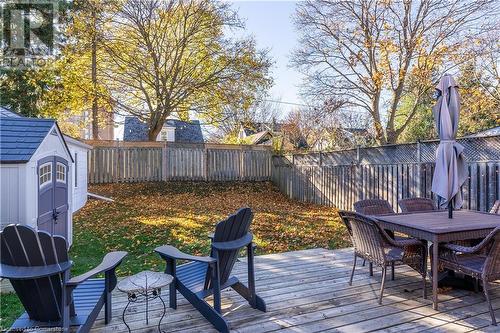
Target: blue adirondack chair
[205,276]
[38,267]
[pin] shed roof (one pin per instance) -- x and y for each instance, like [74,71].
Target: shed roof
[20,137]
[72,141]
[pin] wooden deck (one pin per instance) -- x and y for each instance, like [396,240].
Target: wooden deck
[308,291]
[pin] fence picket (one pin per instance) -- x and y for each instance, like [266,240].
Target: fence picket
[128,163]
[338,185]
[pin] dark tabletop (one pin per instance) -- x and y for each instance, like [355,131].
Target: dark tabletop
[439,223]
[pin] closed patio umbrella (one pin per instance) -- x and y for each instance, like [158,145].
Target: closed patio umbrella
[450,172]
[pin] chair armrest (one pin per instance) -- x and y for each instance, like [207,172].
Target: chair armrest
[407,242]
[458,248]
[33,272]
[399,243]
[109,262]
[471,249]
[168,251]
[235,244]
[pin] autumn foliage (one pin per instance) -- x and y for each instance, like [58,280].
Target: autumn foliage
[147,215]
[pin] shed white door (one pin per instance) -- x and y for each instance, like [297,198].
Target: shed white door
[53,195]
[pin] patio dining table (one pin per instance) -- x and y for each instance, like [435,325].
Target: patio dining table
[436,227]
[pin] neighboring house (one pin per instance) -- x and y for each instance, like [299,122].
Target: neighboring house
[260,138]
[106,127]
[489,132]
[341,138]
[173,130]
[259,133]
[42,184]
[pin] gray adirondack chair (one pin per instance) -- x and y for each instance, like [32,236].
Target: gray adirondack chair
[205,276]
[38,267]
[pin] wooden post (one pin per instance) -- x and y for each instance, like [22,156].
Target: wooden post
[241,166]
[359,176]
[164,161]
[419,170]
[206,164]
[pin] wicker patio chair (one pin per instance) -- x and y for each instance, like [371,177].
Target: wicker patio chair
[496,208]
[413,205]
[373,207]
[481,262]
[373,244]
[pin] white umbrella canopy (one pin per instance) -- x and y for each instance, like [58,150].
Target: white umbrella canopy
[450,171]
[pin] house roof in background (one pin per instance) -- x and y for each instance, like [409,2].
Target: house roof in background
[20,137]
[257,127]
[259,138]
[185,132]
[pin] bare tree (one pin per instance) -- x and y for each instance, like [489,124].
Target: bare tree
[305,127]
[368,51]
[172,56]
[488,58]
[257,109]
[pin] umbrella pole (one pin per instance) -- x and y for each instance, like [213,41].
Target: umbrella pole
[450,210]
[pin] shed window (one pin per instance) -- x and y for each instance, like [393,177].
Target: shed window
[45,174]
[61,172]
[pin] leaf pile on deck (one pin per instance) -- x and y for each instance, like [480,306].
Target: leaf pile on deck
[146,215]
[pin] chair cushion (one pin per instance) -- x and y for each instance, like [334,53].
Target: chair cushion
[394,253]
[467,263]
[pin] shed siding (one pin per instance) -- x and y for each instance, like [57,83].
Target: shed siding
[80,166]
[9,194]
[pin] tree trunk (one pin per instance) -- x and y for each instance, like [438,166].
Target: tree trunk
[379,129]
[95,106]
[392,136]
[153,132]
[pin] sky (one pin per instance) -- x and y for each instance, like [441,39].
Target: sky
[271,24]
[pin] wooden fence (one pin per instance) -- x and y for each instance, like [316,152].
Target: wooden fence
[390,172]
[334,179]
[112,161]
[342,185]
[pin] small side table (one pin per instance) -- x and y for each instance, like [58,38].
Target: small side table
[144,287]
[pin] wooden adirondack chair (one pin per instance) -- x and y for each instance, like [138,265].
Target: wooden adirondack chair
[205,276]
[38,267]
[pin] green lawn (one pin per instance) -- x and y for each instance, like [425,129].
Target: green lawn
[147,215]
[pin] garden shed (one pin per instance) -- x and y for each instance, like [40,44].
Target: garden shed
[38,174]
[79,152]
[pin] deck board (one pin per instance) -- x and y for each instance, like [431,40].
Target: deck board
[308,291]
